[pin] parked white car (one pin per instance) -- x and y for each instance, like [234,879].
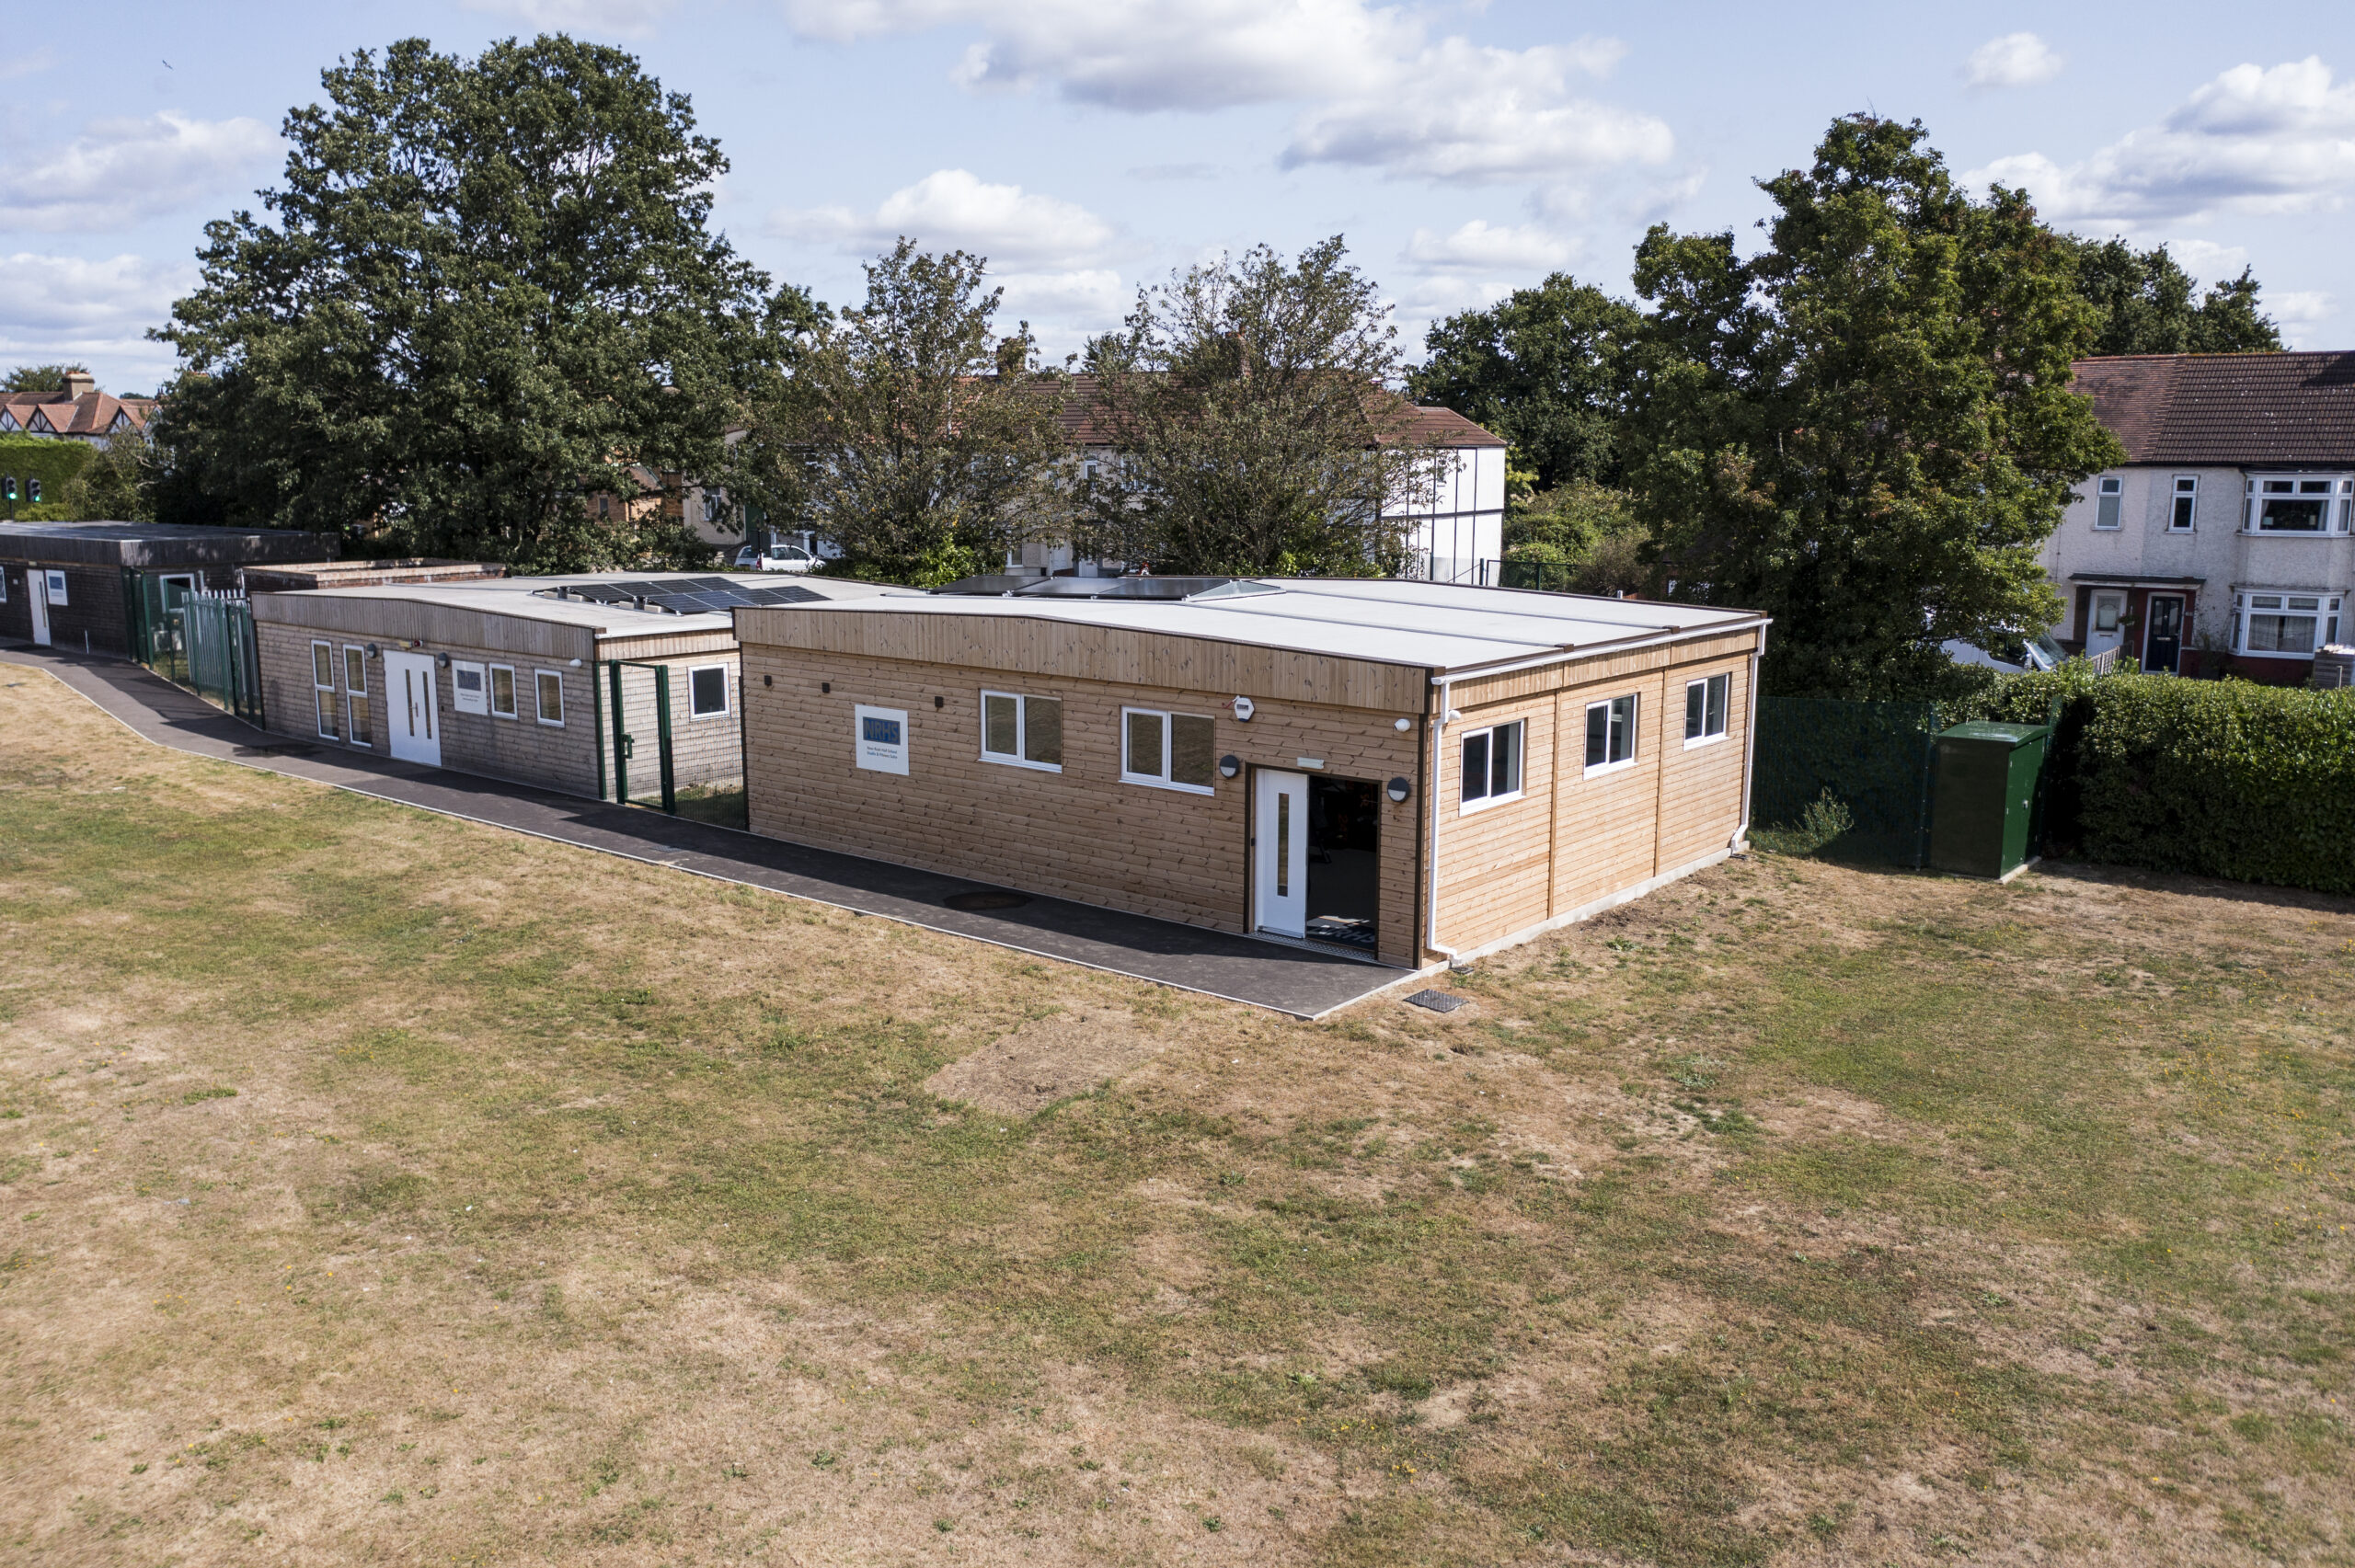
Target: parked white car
[775,558]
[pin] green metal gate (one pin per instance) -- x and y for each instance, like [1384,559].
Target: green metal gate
[196,637]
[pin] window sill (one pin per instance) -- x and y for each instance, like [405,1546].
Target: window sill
[495,714]
[551,723]
[1466,807]
[1703,741]
[1601,768]
[1034,767]
[698,718]
[1165,783]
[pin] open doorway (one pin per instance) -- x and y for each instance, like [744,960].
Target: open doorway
[1344,862]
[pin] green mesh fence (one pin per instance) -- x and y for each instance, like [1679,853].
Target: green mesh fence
[202,640]
[1873,758]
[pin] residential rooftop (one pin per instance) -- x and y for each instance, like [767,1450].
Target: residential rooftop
[1438,627]
[2227,409]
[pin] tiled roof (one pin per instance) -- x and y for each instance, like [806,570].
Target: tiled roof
[91,414]
[1443,426]
[2241,410]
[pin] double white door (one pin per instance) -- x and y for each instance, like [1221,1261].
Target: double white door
[1279,854]
[410,717]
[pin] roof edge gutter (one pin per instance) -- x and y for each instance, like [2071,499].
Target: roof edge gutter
[1590,650]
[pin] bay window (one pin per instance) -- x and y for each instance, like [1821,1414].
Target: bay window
[2299,503]
[2284,625]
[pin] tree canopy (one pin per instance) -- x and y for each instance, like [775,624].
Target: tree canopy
[41,378]
[1252,428]
[1545,368]
[485,293]
[2147,304]
[909,432]
[1866,428]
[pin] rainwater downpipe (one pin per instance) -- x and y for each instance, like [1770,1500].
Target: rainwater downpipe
[1439,737]
[1750,746]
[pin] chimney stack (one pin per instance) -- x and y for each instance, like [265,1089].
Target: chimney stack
[78,384]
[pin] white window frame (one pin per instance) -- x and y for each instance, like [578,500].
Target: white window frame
[3,585]
[1721,687]
[355,657]
[539,707]
[492,673]
[2185,505]
[323,703]
[2109,502]
[2327,610]
[1634,730]
[1467,804]
[726,697]
[1019,756]
[2337,498]
[1169,717]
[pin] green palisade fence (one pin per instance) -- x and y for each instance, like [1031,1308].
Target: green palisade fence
[203,641]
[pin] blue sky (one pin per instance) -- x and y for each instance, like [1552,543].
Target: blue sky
[1090,145]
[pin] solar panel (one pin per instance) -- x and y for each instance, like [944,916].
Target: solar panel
[687,596]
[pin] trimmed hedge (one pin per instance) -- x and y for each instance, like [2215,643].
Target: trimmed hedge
[54,461]
[2224,778]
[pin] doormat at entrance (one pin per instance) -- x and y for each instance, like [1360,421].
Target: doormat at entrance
[1437,1001]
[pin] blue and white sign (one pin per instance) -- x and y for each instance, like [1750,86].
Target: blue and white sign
[882,741]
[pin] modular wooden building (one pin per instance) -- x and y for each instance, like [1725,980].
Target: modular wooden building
[608,685]
[1405,772]
[79,586]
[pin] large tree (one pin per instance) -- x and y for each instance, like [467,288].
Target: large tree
[1866,428]
[1249,410]
[910,431]
[1545,368]
[485,294]
[41,378]
[2147,306]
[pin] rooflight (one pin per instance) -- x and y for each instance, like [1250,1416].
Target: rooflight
[1239,588]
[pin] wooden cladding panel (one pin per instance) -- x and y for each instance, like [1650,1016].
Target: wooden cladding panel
[1572,674]
[1495,861]
[1700,802]
[1081,833]
[1111,655]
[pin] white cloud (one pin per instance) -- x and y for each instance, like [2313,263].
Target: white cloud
[1481,247]
[2299,311]
[2015,60]
[633,17]
[59,307]
[31,63]
[2251,140]
[1091,295]
[952,209]
[119,172]
[1378,89]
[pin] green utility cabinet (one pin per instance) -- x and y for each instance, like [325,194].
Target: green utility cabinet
[1983,823]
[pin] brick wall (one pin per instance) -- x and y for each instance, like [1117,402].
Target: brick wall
[1081,833]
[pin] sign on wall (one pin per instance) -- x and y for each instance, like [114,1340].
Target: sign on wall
[470,688]
[56,594]
[881,743]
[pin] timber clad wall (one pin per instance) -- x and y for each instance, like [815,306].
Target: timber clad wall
[1566,842]
[1081,833]
[1571,840]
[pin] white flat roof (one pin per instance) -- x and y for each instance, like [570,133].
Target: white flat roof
[1441,626]
[524,598]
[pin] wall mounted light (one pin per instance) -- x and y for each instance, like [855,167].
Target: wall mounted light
[939,704]
[1400,790]
[826,686]
[1229,765]
[442,659]
[1244,709]
[576,664]
[768,679]
[1403,726]
[374,652]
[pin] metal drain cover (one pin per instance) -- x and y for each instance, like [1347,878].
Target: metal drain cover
[1437,1001]
[982,898]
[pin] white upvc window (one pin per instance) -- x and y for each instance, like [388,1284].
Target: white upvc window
[1489,765]
[548,686]
[503,691]
[358,714]
[2298,505]
[2109,501]
[2284,624]
[1704,709]
[323,688]
[1610,735]
[2187,499]
[1022,732]
[1168,751]
[707,691]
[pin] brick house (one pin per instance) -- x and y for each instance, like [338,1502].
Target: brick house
[518,677]
[2226,540]
[1286,758]
[76,410]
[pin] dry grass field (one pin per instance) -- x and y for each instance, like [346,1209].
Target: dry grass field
[384,1189]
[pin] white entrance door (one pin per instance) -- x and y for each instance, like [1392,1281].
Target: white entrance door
[1280,868]
[37,595]
[408,702]
[2102,629]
